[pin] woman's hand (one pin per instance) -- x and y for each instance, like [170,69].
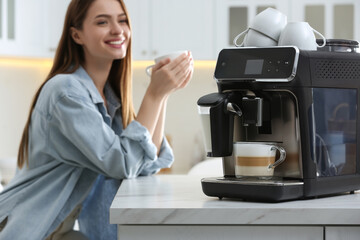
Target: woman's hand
[170,75]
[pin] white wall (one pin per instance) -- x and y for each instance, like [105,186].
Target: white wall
[19,79]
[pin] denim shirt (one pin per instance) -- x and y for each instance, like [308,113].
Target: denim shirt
[72,140]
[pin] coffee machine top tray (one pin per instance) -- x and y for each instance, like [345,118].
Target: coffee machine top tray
[273,64]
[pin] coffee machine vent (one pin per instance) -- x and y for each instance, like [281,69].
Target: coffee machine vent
[337,69]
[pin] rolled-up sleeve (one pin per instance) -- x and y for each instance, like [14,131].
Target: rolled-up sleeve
[78,135]
[165,160]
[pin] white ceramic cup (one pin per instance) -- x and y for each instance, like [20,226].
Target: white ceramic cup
[257,159]
[172,56]
[300,34]
[270,23]
[254,38]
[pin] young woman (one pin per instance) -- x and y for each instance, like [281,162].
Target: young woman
[82,125]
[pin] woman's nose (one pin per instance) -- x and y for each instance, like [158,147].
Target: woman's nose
[117,29]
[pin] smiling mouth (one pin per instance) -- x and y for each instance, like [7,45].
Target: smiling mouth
[117,42]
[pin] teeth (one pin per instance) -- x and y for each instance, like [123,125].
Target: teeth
[116,42]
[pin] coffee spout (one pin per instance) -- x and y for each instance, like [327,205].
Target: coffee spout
[253,111]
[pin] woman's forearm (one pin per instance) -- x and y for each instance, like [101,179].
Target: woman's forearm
[152,116]
[149,111]
[160,126]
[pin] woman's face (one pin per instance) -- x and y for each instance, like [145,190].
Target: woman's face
[105,33]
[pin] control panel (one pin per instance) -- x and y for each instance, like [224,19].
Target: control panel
[275,64]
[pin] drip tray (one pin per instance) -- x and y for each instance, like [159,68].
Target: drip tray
[257,181]
[253,189]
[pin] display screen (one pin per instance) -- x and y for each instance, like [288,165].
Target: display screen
[254,66]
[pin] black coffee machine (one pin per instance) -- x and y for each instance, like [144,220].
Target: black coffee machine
[305,101]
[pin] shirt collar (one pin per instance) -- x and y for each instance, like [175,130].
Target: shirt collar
[86,80]
[113,101]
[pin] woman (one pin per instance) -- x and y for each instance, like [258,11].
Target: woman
[82,124]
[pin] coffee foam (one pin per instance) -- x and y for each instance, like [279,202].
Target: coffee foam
[253,150]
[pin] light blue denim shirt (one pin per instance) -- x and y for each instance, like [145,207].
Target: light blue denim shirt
[73,140]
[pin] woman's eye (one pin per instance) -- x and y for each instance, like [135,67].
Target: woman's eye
[123,21]
[101,23]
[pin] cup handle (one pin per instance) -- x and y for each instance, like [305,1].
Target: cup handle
[147,70]
[281,158]
[237,38]
[322,36]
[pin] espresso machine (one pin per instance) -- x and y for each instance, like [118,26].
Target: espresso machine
[304,101]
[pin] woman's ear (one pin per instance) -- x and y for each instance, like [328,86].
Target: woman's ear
[75,35]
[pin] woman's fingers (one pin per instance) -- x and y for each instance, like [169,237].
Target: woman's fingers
[186,63]
[182,75]
[161,64]
[170,75]
[187,78]
[175,63]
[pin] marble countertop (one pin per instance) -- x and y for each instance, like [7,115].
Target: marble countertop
[179,199]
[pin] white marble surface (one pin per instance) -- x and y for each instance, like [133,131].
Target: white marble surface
[178,199]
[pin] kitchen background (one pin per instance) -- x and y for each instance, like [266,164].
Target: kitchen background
[30,30]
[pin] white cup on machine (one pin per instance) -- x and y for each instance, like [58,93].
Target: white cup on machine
[257,159]
[254,38]
[264,30]
[300,34]
[172,56]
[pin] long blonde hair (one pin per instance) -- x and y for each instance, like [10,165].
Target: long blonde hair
[70,56]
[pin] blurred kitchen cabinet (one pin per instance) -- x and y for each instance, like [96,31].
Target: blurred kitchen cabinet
[139,12]
[20,27]
[234,16]
[7,22]
[212,232]
[342,232]
[339,19]
[55,16]
[163,26]
[31,28]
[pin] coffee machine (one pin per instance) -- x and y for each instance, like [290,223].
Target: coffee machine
[305,101]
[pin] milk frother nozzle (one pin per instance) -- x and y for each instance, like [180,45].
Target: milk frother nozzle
[232,107]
